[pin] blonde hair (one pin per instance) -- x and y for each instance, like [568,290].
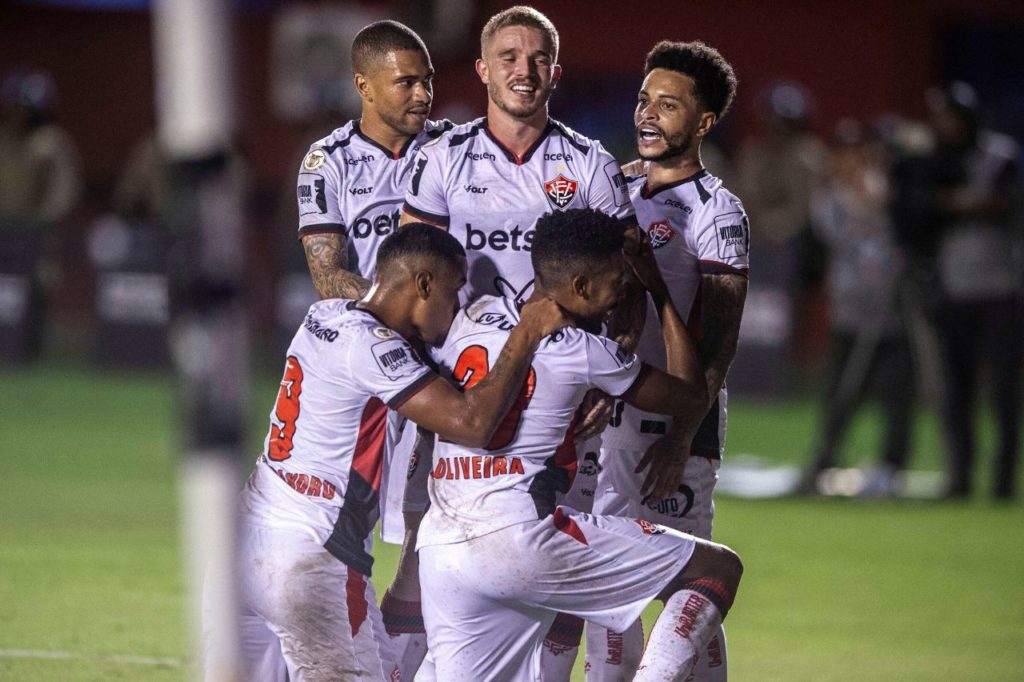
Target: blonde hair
[520,15]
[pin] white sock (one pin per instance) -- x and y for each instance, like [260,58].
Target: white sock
[560,647]
[683,629]
[613,656]
[712,664]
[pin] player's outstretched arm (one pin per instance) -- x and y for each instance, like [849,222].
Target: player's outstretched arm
[327,257]
[471,418]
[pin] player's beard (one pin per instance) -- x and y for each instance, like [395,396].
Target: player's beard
[400,122]
[675,145]
[525,111]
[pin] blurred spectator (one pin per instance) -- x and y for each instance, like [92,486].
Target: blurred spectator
[868,345]
[39,187]
[978,263]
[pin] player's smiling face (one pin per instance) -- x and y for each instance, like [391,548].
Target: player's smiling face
[519,70]
[401,90]
[668,118]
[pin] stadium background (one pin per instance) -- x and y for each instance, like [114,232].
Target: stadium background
[90,578]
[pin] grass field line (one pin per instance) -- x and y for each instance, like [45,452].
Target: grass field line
[77,655]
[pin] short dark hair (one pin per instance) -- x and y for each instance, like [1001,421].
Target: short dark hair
[568,242]
[713,78]
[420,240]
[377,39]
[520,15]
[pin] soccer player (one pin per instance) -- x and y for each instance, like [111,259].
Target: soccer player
[701,238]
[499,556]
[488,182]
[350,190]
[352,182]
[312,500]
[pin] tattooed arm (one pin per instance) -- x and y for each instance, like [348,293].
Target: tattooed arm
[327,257]
[722,299]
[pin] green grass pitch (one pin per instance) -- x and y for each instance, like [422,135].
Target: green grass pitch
[91,584]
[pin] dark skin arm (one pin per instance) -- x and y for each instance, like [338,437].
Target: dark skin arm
[470,418]
[327,257]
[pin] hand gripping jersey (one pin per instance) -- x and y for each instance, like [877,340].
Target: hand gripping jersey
[490,199]
[531,460]
[331,432]
[351,185]
[696,227]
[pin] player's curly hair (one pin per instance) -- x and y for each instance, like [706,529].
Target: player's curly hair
[713,77]
[520,15]
[419,240]
[566,243]
[377,39]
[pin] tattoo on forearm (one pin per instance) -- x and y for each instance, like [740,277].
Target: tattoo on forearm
[327,257]
[722,298]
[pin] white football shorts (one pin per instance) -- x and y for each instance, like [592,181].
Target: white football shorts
[489,601]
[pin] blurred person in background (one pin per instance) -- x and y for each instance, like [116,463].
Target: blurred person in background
[778,172]
[974,187]
[40,184]
[868,343]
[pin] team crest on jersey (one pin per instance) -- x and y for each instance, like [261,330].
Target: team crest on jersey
[660,233]
[382,333]
[314,160]
[561,191]
[649,528]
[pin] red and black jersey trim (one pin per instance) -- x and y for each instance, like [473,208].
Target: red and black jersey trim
[457,139]
[713,267]
[338,144]
[361,508]
[394,156]
[646,192]
[559,471]
[528,154]
[322,228]
[433,219]
[412,389]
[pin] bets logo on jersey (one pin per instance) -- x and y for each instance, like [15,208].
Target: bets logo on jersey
[660,233]
[561,191]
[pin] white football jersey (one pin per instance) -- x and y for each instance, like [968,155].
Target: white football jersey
[531,460]
[696,227]
[490,199]
[351,185]
[331,429]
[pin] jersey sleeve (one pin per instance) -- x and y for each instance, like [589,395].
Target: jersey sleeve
[723,237]
[319,184]
[610,367]
[385,365]
[426,199]
[608,192]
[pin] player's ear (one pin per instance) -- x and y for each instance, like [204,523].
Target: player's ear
[556,74]
[481,70]
[581,286]
[706,123]
[362,86]
[424,282]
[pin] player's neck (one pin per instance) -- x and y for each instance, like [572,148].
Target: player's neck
[383,134]
[667,171]
[516,134]
[391,310]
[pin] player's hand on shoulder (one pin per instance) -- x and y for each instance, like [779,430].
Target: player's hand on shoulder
[641,260]
[543,316]
[665,461]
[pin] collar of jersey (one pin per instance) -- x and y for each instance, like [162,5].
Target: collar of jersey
[391,155]
[646,193]
[509,154]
